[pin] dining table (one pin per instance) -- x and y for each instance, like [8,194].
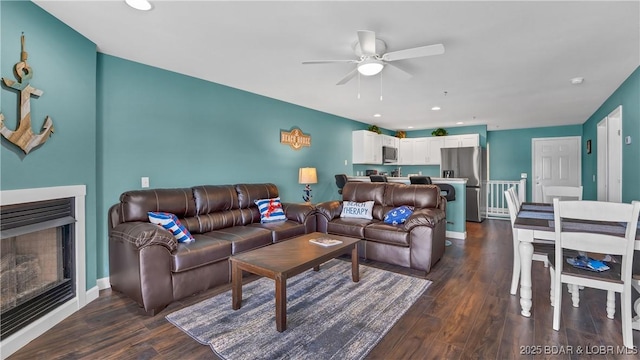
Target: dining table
[536,221]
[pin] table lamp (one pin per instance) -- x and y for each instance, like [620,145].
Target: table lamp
[307,176]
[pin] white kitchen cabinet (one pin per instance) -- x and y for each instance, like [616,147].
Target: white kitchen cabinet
[420,151]
[453,141]
[405,151]
[390,141]
[434,144]
[366,147]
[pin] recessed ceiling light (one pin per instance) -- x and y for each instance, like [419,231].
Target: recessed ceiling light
[409,127]
[143,5]
[577,80]
[377,115]
[435,108]
[460,123]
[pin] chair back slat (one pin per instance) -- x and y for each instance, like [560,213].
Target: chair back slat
[595,243]
[561,192]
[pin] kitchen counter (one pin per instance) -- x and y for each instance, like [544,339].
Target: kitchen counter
[405,179]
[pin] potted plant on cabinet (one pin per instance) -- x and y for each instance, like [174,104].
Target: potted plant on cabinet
[375,129]
[439,132]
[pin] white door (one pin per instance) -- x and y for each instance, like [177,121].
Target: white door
[609,152]
[556,161]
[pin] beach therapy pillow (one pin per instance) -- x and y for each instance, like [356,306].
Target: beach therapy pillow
[360,210]
[170,222]
[398,215]
[270,210]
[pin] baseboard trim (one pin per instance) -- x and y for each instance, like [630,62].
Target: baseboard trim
[456,235]
[92,294]
[103,283]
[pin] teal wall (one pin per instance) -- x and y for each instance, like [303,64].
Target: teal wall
[64,67]
[510,150]
[182,131]
[627,95]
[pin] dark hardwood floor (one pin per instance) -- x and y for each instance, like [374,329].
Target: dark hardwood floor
[467,313]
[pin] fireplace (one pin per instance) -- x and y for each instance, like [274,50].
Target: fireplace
[42,261]
[36,261]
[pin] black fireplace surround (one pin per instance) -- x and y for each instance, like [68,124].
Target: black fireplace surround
[39,276]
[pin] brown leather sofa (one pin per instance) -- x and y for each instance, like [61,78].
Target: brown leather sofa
[416,244]
[148,265]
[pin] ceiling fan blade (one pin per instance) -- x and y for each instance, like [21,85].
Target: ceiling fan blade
[421,51]
[348,77]
[367,41]
[329,61]
[400,70]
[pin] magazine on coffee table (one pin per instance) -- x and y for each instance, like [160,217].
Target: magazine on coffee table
[325,241]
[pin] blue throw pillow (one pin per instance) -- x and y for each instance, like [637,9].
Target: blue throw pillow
[170,222]
[398,215]
[270,210]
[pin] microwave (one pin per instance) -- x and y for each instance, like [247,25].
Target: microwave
[389,154]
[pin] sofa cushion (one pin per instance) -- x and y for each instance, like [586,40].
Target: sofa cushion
[205,250]
[270,210]
[364,191]
[219,220]
[248,193]
[210,198]
[349,226]
[398,215]
[359,210]
[243,238]
[170,222]
[418,196]
[283,230]
[387,233]
[135,205]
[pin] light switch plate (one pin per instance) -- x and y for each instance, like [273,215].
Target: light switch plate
[144,182]
[523,175]
[627,140]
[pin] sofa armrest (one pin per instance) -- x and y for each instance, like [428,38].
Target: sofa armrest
[142,234]
[443,204]
[424,217]
[298,212]
[329,209]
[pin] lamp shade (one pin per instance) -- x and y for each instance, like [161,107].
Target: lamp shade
[307,176]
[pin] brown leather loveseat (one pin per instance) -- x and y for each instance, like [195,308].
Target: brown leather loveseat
[148,265]
[417,244]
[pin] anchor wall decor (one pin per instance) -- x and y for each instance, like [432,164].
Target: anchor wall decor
[23,136]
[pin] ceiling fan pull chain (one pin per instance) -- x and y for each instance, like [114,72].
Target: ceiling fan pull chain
[380,86]
[358,86]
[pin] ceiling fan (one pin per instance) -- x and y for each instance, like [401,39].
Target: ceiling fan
[372,56]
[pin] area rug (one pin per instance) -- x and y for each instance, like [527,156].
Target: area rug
[328,315]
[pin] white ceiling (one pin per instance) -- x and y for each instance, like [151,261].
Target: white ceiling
[507,64]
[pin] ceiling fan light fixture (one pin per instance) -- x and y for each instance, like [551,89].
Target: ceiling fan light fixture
[370,67]
[142,5]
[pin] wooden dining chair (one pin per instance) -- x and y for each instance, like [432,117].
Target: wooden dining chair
[578,236]
[540,247]
[561,192]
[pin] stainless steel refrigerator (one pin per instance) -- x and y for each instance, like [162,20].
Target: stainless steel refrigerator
[470,163]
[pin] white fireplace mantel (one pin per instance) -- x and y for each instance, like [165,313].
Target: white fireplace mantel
[9,197]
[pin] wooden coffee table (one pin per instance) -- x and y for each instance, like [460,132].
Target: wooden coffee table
[284,260]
